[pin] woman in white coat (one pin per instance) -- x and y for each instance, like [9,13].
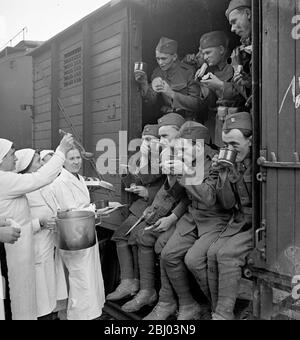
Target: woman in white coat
[14,205]
[86,295]
[8,234]
[43,206]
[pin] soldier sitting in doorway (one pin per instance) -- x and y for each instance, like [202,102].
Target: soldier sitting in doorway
[220,272]
[203,217]
[173,81]
[143,185]
[152,234]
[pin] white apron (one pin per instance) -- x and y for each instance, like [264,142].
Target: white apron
[86,295]
[20,256]
[44,206]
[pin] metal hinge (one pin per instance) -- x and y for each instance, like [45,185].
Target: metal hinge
[260,239]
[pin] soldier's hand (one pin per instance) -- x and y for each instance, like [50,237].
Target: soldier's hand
[214,83]
[141,77]
[165,88]
[165,223]
[66,143]
[9,234]
[242,79]
[141,191]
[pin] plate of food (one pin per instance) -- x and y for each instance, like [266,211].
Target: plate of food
[112,206]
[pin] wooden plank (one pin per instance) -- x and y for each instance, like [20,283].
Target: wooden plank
[106,80]
[43,126]
[105,116]
[42,100]
[106,68]
[286,133]
[70,43]
[106,127]
[43,135]
[106,44]
[106,56]
[109,20]
[269,121]
[106,92]
[74,90]
[103,104]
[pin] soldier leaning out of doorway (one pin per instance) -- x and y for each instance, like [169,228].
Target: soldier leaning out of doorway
[215,49]
[174,81]
[239,17]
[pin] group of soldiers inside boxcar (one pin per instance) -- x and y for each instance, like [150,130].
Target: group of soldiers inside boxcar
[196,220]
[203,228]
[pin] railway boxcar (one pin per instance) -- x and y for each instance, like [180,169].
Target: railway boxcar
[88,70]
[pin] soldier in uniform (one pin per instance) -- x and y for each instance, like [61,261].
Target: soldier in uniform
[144,185]
[215,49]
[233,188]
[162,215]
[173,81]
[239,17]
[202,218]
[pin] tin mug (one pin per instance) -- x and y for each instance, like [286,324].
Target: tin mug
[227,157]
[140,69]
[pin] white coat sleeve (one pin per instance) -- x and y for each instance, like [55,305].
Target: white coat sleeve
[18,184]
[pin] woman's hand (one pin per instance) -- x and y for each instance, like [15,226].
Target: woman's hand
[8,233]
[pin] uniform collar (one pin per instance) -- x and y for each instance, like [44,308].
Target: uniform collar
[173,69]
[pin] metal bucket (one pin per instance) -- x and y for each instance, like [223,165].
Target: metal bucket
[76,230]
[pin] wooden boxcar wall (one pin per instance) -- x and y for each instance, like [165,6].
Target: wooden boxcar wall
[280,135]
[104,102]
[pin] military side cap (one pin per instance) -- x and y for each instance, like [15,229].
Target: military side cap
[171,119]
[151,130]
[167,46]
[193,130]
[214,39]
[235,4]
[240,120]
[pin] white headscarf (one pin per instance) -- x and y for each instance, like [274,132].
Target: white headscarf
[25,157]
[5,146]
[45,153]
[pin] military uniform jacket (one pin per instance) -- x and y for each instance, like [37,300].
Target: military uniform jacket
[242,55]
[181,80]
[216,98]
[234,191]
[152,182]
[203,205]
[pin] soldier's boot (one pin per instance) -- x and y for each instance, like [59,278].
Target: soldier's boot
[127,287]
[229,282]
[162,311]
[189,312]
[143,298]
